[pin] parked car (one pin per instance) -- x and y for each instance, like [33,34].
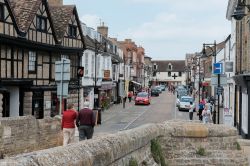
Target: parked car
[142,98]
[163,87]
[158,88]
[184,103]
[155,92]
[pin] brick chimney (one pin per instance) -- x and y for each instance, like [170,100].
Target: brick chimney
[55,2]
[103,30]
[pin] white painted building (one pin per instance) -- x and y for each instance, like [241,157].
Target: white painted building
[169,72]
[88,62]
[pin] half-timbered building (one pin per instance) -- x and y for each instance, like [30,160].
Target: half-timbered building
[33,36]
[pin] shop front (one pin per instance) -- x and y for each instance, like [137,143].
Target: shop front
[105,95]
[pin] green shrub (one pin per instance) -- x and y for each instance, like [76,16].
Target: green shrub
[201,151]
[132,162]
[157,152]
[238,146]
[144,163]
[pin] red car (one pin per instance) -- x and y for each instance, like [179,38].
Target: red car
[142,98]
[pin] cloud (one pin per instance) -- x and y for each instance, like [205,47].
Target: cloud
[173,31]
[171,26]
[148,1]
[91,20]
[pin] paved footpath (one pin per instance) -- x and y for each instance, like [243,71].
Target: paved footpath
[118,108]
[106,116]
[245,146]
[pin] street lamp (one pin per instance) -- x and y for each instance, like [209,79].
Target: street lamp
[98,47]
[199,56]
[239,12]
[213,53]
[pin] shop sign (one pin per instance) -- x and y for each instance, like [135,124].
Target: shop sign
[106,74]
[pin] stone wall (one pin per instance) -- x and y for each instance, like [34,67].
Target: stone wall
[179,141]
[26,134]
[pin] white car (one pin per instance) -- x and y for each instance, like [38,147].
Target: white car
[184,103]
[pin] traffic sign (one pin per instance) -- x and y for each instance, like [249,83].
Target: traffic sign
[218,68]
[223,80]
[219,90]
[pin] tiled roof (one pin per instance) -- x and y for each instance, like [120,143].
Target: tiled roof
[90,44]
[61,16]
[24,12]
[177,65]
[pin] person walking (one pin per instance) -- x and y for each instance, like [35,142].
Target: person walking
[85,122]
[191,110]
[130,95]
[68,124]
[206,114]
[201,108]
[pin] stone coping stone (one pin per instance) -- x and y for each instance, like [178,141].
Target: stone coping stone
[199,130]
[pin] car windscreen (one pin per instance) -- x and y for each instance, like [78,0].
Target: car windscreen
[186,99]
[142,95]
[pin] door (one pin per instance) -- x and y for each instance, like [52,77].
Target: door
[6,104]
[37,104]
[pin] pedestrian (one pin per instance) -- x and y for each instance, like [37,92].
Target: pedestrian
[206,114]
[201,108]
[68,124]
[85,122]
[130,95]
[191,110]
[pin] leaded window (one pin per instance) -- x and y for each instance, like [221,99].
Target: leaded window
[32,61]
[1,12]
[41,23]
[72,31]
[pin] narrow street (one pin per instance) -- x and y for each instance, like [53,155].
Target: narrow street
[162,108]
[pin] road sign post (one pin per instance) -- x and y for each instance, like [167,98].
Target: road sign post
[62,77]
[218,69]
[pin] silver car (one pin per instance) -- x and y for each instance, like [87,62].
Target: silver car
[185,103]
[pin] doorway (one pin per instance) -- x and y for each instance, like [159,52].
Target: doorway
[37,104]
[6,104]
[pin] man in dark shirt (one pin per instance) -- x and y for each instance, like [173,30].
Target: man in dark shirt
[86,121]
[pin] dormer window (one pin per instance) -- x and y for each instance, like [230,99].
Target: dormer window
[72,31]
[155,66]
[1,11]
[170,66]
[41,23]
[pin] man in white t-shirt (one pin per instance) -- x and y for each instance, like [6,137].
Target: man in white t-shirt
[191,110]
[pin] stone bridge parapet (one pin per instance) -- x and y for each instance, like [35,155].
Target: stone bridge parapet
[182,143]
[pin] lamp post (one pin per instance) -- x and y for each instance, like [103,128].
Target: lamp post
[199,79]
[214,53]
[97,51]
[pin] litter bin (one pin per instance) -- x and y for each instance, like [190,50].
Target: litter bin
[98,114]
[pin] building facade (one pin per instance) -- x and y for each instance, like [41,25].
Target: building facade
[169,72]
[33,38]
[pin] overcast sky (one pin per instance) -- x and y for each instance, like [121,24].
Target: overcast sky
[167,29]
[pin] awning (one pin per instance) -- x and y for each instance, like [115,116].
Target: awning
[137,83]
[106,87]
